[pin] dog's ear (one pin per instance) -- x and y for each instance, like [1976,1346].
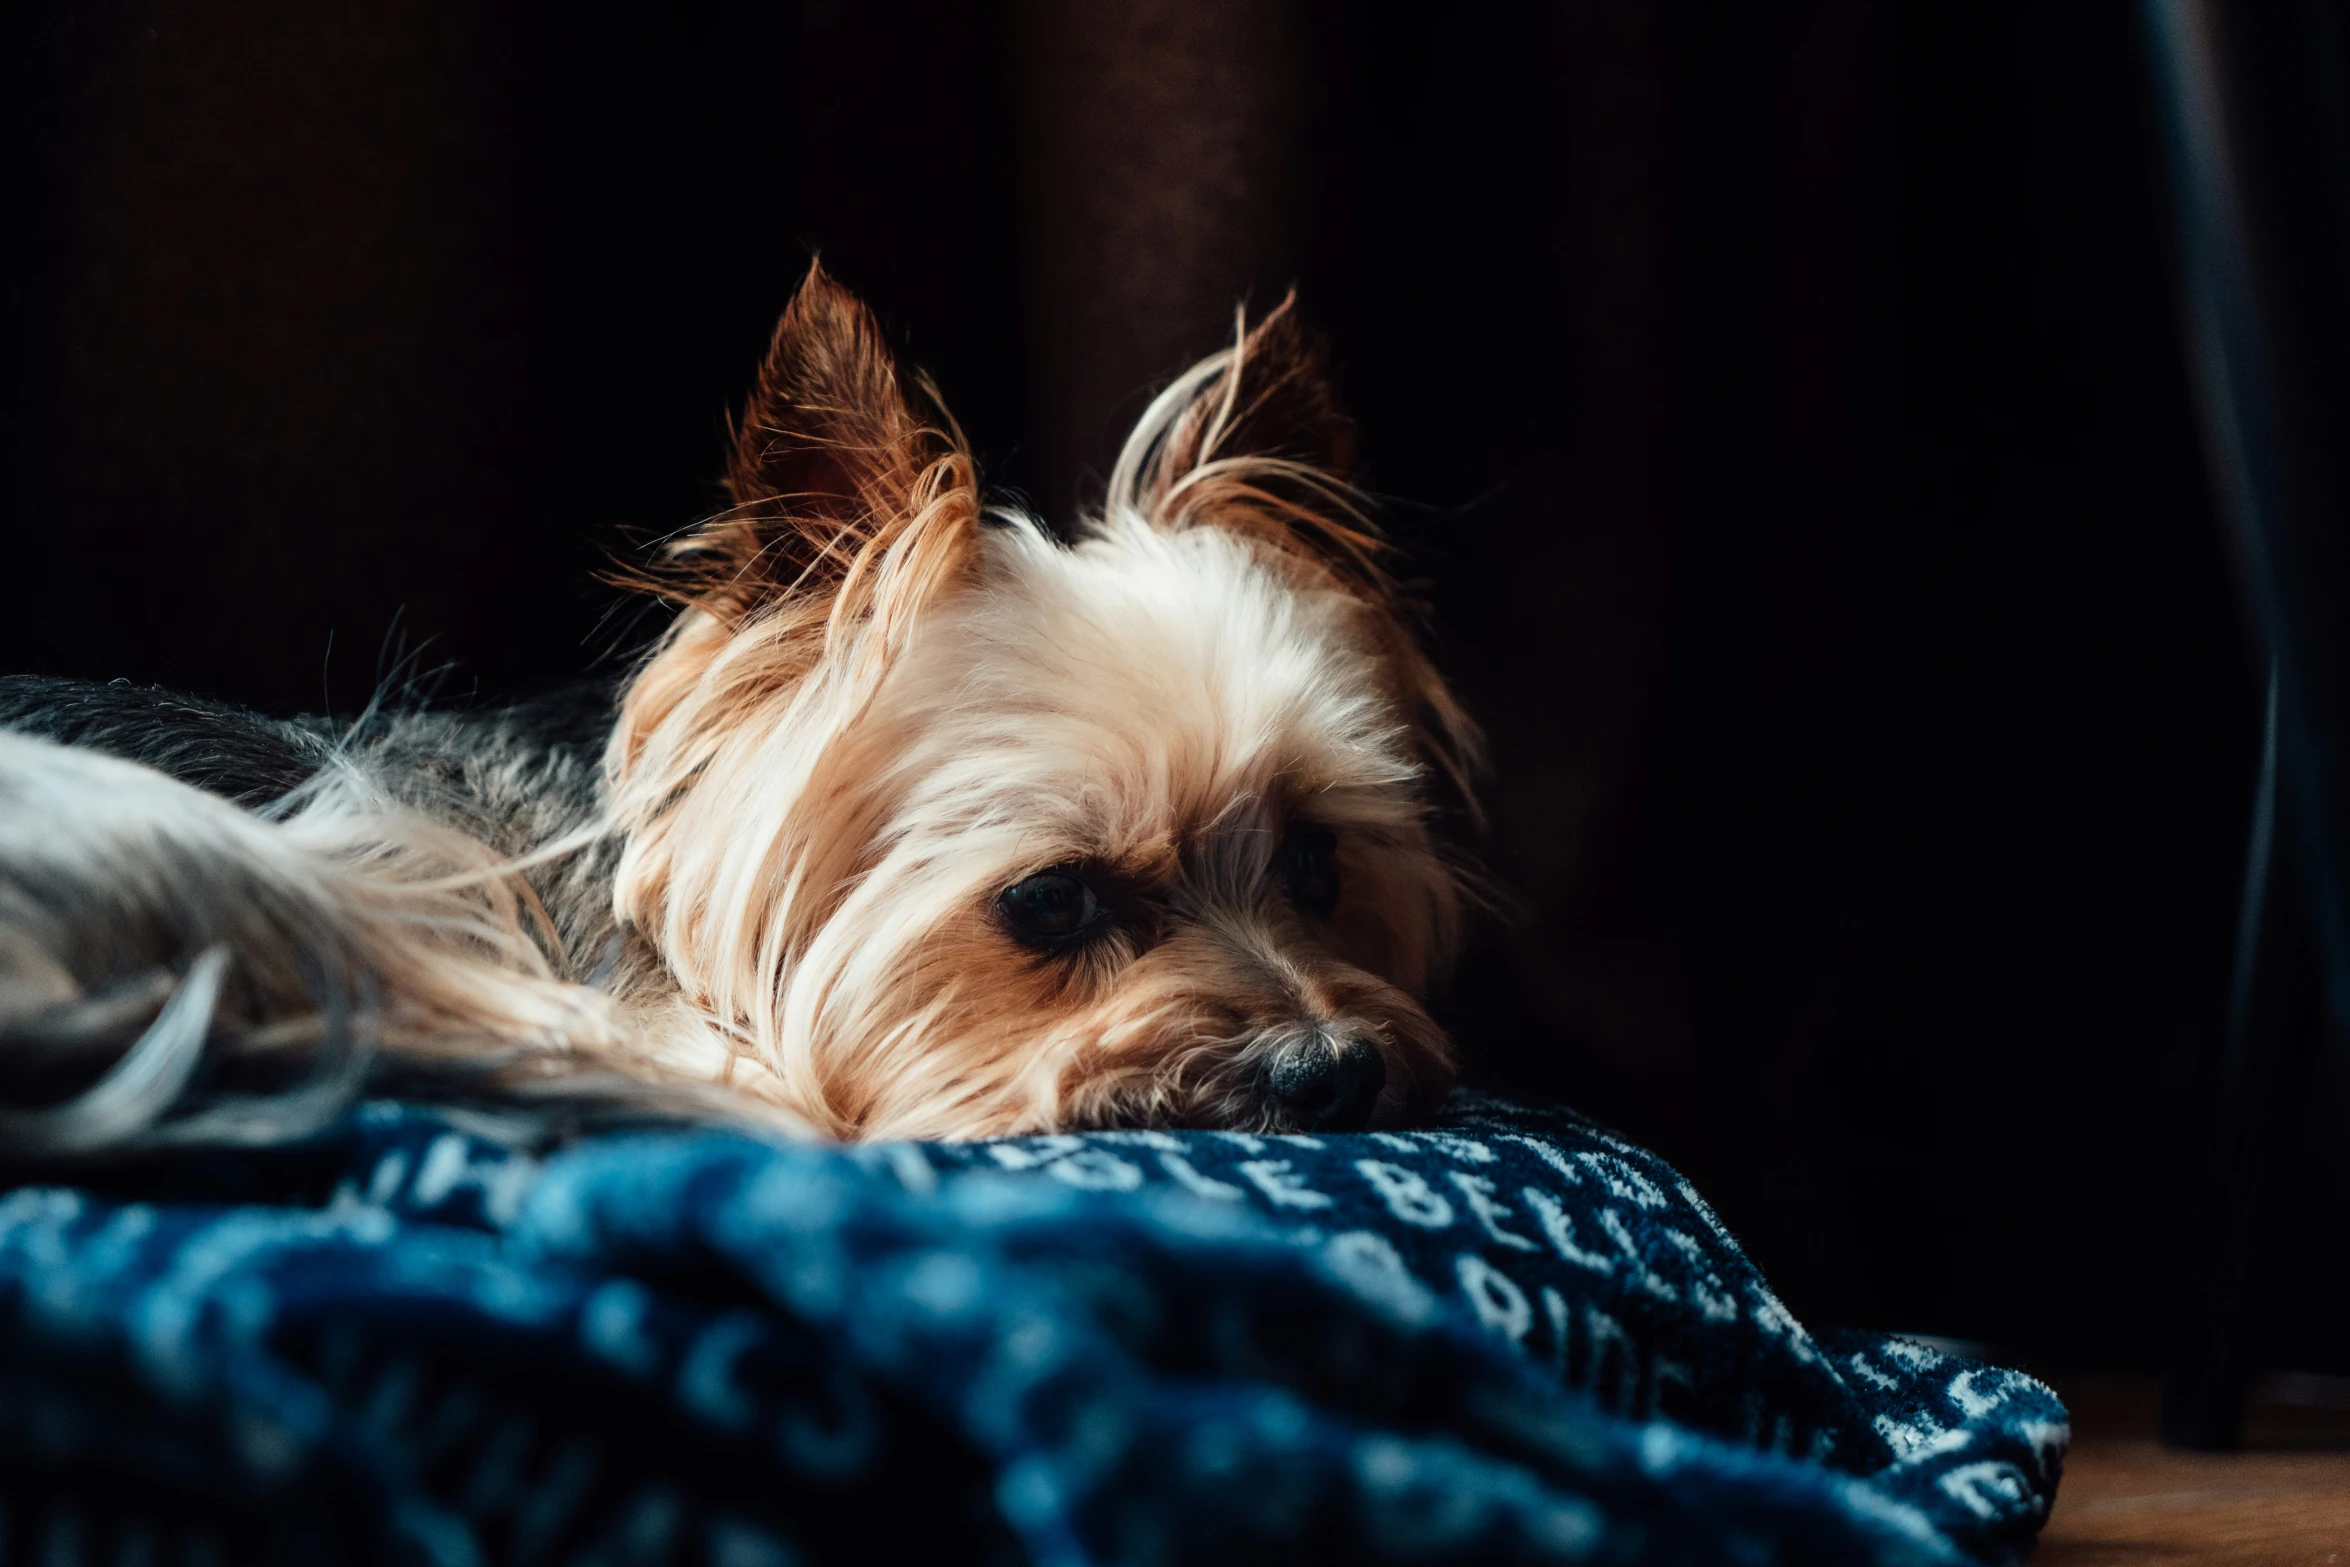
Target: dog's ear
[1250,440]
[842,475]
[1266,397]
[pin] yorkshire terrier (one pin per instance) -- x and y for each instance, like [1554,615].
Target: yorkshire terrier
[918,822]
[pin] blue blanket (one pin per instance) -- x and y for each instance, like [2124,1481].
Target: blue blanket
[1512,1338]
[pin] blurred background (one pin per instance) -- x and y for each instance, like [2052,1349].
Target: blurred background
[1784,409]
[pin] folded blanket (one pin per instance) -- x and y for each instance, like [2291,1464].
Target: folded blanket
[1513,1337]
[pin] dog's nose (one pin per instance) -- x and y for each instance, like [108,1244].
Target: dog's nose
[1326,1083]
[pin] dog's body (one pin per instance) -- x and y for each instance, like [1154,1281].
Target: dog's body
[513,777]
[918,822]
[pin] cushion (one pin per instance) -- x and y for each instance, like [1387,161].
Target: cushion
[1512,1336]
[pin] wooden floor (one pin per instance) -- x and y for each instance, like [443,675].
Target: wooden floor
[2128,1499]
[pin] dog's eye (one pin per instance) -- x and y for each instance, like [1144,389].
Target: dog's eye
[1307,863]
[1051,908]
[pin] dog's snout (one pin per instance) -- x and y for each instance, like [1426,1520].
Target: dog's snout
[1327,1083]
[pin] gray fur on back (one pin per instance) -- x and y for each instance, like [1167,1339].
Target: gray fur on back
[113,896]
[513,776]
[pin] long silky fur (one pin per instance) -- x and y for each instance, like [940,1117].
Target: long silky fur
[771,896]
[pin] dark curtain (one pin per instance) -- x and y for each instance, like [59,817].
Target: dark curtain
[1782,406]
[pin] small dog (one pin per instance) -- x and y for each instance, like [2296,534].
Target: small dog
[917,823]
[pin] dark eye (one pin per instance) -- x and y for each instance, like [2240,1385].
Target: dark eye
[1051,908]
[1307,863]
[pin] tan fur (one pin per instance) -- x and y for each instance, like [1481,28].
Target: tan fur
[822,789]
[877,710]
[345,925]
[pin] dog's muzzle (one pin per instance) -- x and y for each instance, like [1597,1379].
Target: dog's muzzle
[1327,1082]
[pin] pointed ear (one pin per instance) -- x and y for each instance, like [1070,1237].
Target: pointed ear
[1267,396]
[835,472]
[1251,439]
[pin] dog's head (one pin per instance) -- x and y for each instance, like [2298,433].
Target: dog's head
[960,830]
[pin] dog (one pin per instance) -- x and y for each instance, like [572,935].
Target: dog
[918,821]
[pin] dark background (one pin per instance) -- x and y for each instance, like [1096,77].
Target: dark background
[1783,405]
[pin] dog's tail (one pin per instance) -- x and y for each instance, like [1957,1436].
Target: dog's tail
[175,969]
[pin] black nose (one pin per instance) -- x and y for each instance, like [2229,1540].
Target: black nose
[1327,1084]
